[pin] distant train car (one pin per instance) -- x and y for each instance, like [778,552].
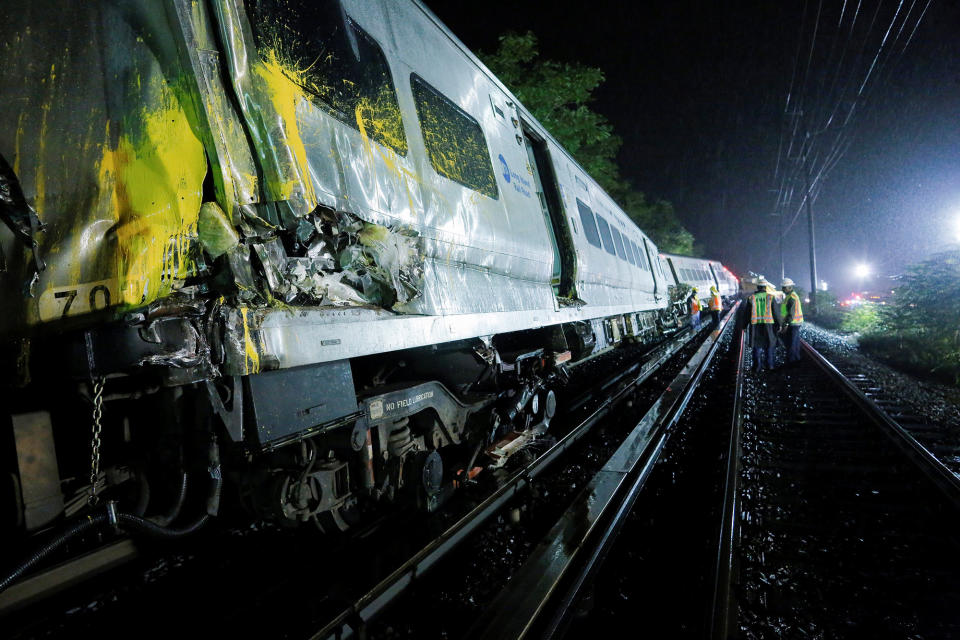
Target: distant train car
[700,273]
[727,283]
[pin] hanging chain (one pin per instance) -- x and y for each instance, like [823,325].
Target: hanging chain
[95,442]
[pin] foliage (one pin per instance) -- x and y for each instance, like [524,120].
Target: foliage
[828,313]
[925,310]
[864,318]
[657,219]
[918,329]
[558,95]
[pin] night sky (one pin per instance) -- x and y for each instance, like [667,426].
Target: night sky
[698,90]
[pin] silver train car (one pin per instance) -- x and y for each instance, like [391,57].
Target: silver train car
[309,252]
[700,273]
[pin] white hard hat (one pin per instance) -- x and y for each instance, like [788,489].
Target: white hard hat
[786,282]
[762,282]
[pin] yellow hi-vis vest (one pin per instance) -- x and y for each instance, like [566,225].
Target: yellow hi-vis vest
[761,308]
[797,308]
[716,304]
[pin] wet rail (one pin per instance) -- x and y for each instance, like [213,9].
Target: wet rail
[614,390]
[837,522]
[538,600]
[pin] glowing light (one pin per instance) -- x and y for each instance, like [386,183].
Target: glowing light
[861,270]
[956,228]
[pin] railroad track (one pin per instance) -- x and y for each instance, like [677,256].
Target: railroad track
[837,521]
[539,599]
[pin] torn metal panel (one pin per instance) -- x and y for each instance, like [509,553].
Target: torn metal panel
[234,168]
[216,232]
[268,99]
[21,219]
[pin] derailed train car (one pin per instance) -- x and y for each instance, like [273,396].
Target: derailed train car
[700,273]
[312,249]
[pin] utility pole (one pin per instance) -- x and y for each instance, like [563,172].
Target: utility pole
[780,236]
[813,250]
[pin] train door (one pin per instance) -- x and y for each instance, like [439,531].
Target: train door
[715,277]
[545,183]
[654,261]
[673,271]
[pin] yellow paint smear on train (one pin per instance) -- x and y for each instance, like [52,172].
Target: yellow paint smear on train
[251,357]
[285,95]
[40,178]
[154,179]
[389,129]
[18,141]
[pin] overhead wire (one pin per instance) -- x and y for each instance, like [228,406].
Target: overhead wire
[825,160]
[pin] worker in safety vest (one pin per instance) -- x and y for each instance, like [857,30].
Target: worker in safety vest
[716,306]
[694,304]
[762,315]
[791,312]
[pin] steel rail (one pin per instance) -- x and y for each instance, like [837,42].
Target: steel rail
[353,618]
[726,570]
[947,481]
[537,600]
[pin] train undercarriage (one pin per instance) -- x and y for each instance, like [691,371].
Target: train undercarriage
[168,444]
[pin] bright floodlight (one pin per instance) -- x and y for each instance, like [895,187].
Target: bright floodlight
[862,270]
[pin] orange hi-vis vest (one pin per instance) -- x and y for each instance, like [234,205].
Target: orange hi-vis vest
[694,305]
[761,308]
[716,304]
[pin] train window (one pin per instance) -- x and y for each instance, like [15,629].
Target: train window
[626,249]
[343,70]
[618,243]
[605,234]
[641,258]
[589,224]
[454,140]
